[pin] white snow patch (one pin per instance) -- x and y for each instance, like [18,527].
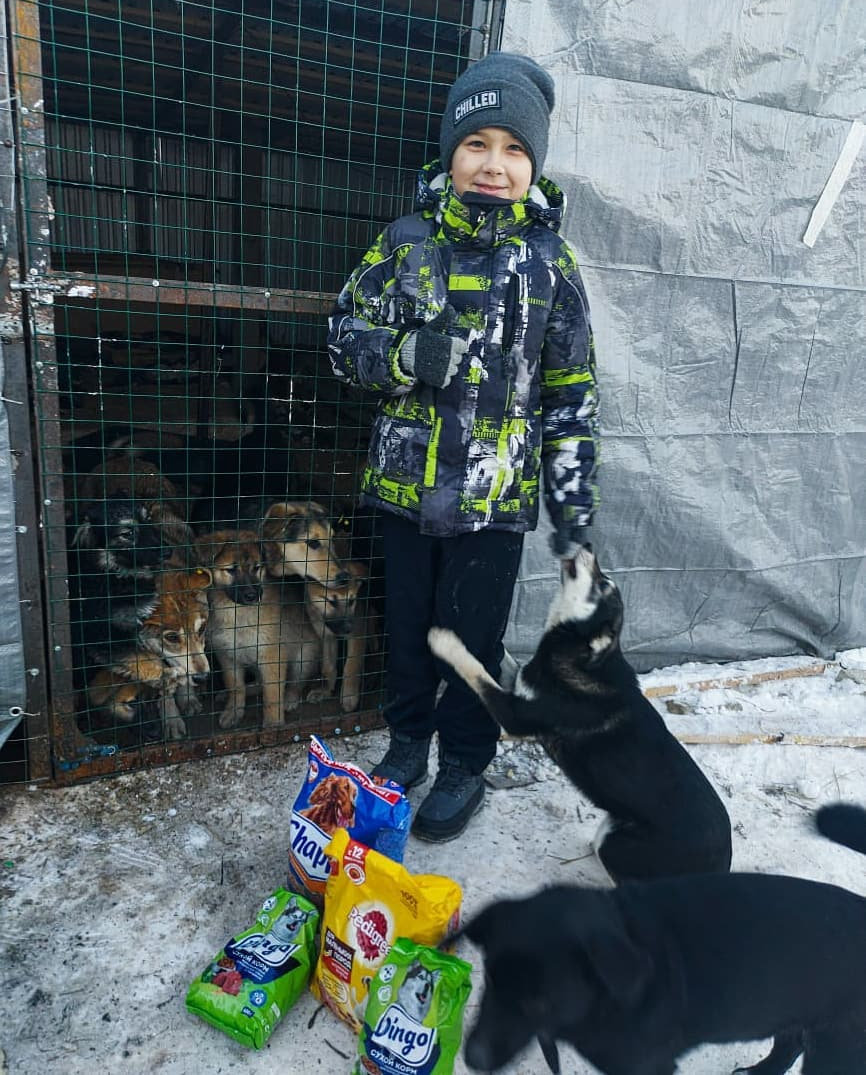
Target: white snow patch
[107,917]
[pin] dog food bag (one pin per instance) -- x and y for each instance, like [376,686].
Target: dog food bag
[413,1023]
[251,983]
[370,900]
[339,795]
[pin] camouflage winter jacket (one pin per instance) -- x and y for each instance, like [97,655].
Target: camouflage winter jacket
[469,455]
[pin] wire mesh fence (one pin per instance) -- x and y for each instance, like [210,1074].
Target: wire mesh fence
[197,182]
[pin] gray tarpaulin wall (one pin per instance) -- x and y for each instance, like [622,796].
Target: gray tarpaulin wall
[12,679]
[694,142]
[12,686]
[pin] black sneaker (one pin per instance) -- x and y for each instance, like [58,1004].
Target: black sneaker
[455,796]
[405,761]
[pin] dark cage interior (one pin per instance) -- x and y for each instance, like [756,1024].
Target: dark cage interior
[208,178]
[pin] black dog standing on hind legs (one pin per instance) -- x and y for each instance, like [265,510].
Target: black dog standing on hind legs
[582,700]
[636,976]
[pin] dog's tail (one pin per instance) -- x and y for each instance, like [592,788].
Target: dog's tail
[843,823]
[448,648]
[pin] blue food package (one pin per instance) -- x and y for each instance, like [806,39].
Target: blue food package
[340,795]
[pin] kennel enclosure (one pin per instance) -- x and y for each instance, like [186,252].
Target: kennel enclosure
[195,183]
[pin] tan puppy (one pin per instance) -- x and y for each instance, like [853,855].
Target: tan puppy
[338,612]
[298,540]
[251,626]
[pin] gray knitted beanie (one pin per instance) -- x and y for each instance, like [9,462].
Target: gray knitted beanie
[503,89]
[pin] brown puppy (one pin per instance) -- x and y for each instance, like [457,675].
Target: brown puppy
[167,657]
[339,612]
[251,626]
[298,540]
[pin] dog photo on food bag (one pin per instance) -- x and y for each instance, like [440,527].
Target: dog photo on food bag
[286,929]
[332,804]
[634,977]
[415,995]
[284,933]
[582,700]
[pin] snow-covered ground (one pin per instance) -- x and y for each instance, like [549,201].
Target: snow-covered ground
[113,895]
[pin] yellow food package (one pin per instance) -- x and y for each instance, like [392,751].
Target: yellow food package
[370,900]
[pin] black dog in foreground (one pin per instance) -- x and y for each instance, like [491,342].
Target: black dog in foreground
[582,700]
[635,976]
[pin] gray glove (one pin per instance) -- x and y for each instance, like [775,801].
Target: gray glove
[431,354]
[567,538]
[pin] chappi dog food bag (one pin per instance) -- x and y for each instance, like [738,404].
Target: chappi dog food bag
[413,1022]
[339,795]
[371,900]
[251,983]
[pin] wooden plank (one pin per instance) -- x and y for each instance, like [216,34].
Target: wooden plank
[748,680]
[82,285]
[771,738]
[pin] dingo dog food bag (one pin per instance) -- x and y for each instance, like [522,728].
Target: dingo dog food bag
[370,900]
[339,795]
[413,1023]
[251,983]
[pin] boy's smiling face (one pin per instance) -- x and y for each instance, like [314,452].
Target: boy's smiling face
[491,161]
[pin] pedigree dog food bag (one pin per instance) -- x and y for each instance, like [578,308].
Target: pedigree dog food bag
[413,1023]
[339,795]
[371,900]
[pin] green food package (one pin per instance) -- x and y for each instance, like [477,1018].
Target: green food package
[413,1022]
[252,982]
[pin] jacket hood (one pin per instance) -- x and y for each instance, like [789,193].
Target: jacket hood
[435,196]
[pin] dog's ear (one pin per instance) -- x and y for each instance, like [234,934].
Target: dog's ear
[172,526]
[201,578]
[550,1052]
[208,548]
[83,538]
[284,522]
[479,929]
[624,970]
[606,636]
[274,520]
[284,509]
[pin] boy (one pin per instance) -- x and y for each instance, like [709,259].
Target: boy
[470,321]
